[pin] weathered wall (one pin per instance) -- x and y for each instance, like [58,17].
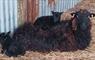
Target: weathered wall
[31,9]
[22,12]
[8,15]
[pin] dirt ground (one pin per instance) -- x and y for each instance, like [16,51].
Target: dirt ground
[87,54]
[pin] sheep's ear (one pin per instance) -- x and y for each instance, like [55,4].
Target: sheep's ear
[52,12]
[92,14]
[73,13]
[8,33]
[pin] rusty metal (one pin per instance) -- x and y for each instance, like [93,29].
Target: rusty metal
[15,12]
[32,9]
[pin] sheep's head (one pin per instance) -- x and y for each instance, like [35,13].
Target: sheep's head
[3,37]
[4,40]
[56,16]
[83,18]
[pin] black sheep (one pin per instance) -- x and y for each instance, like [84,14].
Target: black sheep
[28,37]
[45,22]
[5,41]
[63,35]
[83,23]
